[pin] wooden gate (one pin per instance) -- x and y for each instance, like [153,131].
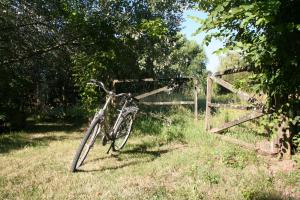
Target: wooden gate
[256,106]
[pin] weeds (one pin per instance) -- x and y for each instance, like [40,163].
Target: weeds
[258,187]
[237,158]
[291,178]
[167,126]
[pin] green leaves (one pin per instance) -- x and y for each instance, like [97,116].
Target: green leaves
[155,28]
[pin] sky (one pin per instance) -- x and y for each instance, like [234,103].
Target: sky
[189,27]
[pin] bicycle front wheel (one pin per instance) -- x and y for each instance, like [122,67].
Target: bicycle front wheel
[123,131]
[87,143]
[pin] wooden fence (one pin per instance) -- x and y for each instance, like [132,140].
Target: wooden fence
[165,89]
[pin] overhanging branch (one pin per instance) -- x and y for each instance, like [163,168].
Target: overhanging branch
[39,52]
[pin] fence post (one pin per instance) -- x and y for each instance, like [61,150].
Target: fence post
[196,98]
[208,102]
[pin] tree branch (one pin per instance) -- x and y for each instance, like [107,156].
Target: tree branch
[39,52]
[24,25]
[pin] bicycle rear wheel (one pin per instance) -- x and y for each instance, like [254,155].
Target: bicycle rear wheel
[87,143]
[123,132]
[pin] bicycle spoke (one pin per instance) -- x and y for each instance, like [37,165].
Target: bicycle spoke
[123,132]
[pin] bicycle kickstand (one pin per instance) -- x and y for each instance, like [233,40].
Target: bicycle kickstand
[109,148]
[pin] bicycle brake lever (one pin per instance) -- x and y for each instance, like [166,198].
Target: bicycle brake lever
[89,83]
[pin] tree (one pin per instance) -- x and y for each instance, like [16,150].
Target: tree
[34,62]
[267,32]
[187,59]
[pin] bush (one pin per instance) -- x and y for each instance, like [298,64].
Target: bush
[167,125]
[75,113]
[72,113]
[237,158]
[2,120]
[17,120]
[179,118]
[296,142]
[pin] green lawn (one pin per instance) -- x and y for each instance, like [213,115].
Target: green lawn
[193,165]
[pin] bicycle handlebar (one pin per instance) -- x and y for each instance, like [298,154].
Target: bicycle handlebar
[101,85]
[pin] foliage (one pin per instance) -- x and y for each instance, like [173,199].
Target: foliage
[177,125]
[267,34]
[236,159]
[34,58]
[74,113]
[233,59]
[187,59]
[2,117]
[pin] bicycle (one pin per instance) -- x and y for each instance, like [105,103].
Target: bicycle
[118,133]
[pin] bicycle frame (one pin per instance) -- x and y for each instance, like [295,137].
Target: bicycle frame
[112,133]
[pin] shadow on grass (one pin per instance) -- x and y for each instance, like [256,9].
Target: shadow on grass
[263,195]
[52,127]
[35,135]
[141,150]
[137,155]
[19,141]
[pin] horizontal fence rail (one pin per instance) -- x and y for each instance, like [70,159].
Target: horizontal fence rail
[236,122]
[237,107]
[169,103]
[153,92]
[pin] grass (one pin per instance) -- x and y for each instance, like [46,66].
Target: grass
[164,159]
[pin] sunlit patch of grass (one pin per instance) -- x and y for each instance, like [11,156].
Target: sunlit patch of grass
[291,178]
[235,157]
[259,186]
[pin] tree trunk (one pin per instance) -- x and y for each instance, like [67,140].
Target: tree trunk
[282,143]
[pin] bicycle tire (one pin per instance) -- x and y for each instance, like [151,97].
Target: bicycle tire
[87,141]
[123,130]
